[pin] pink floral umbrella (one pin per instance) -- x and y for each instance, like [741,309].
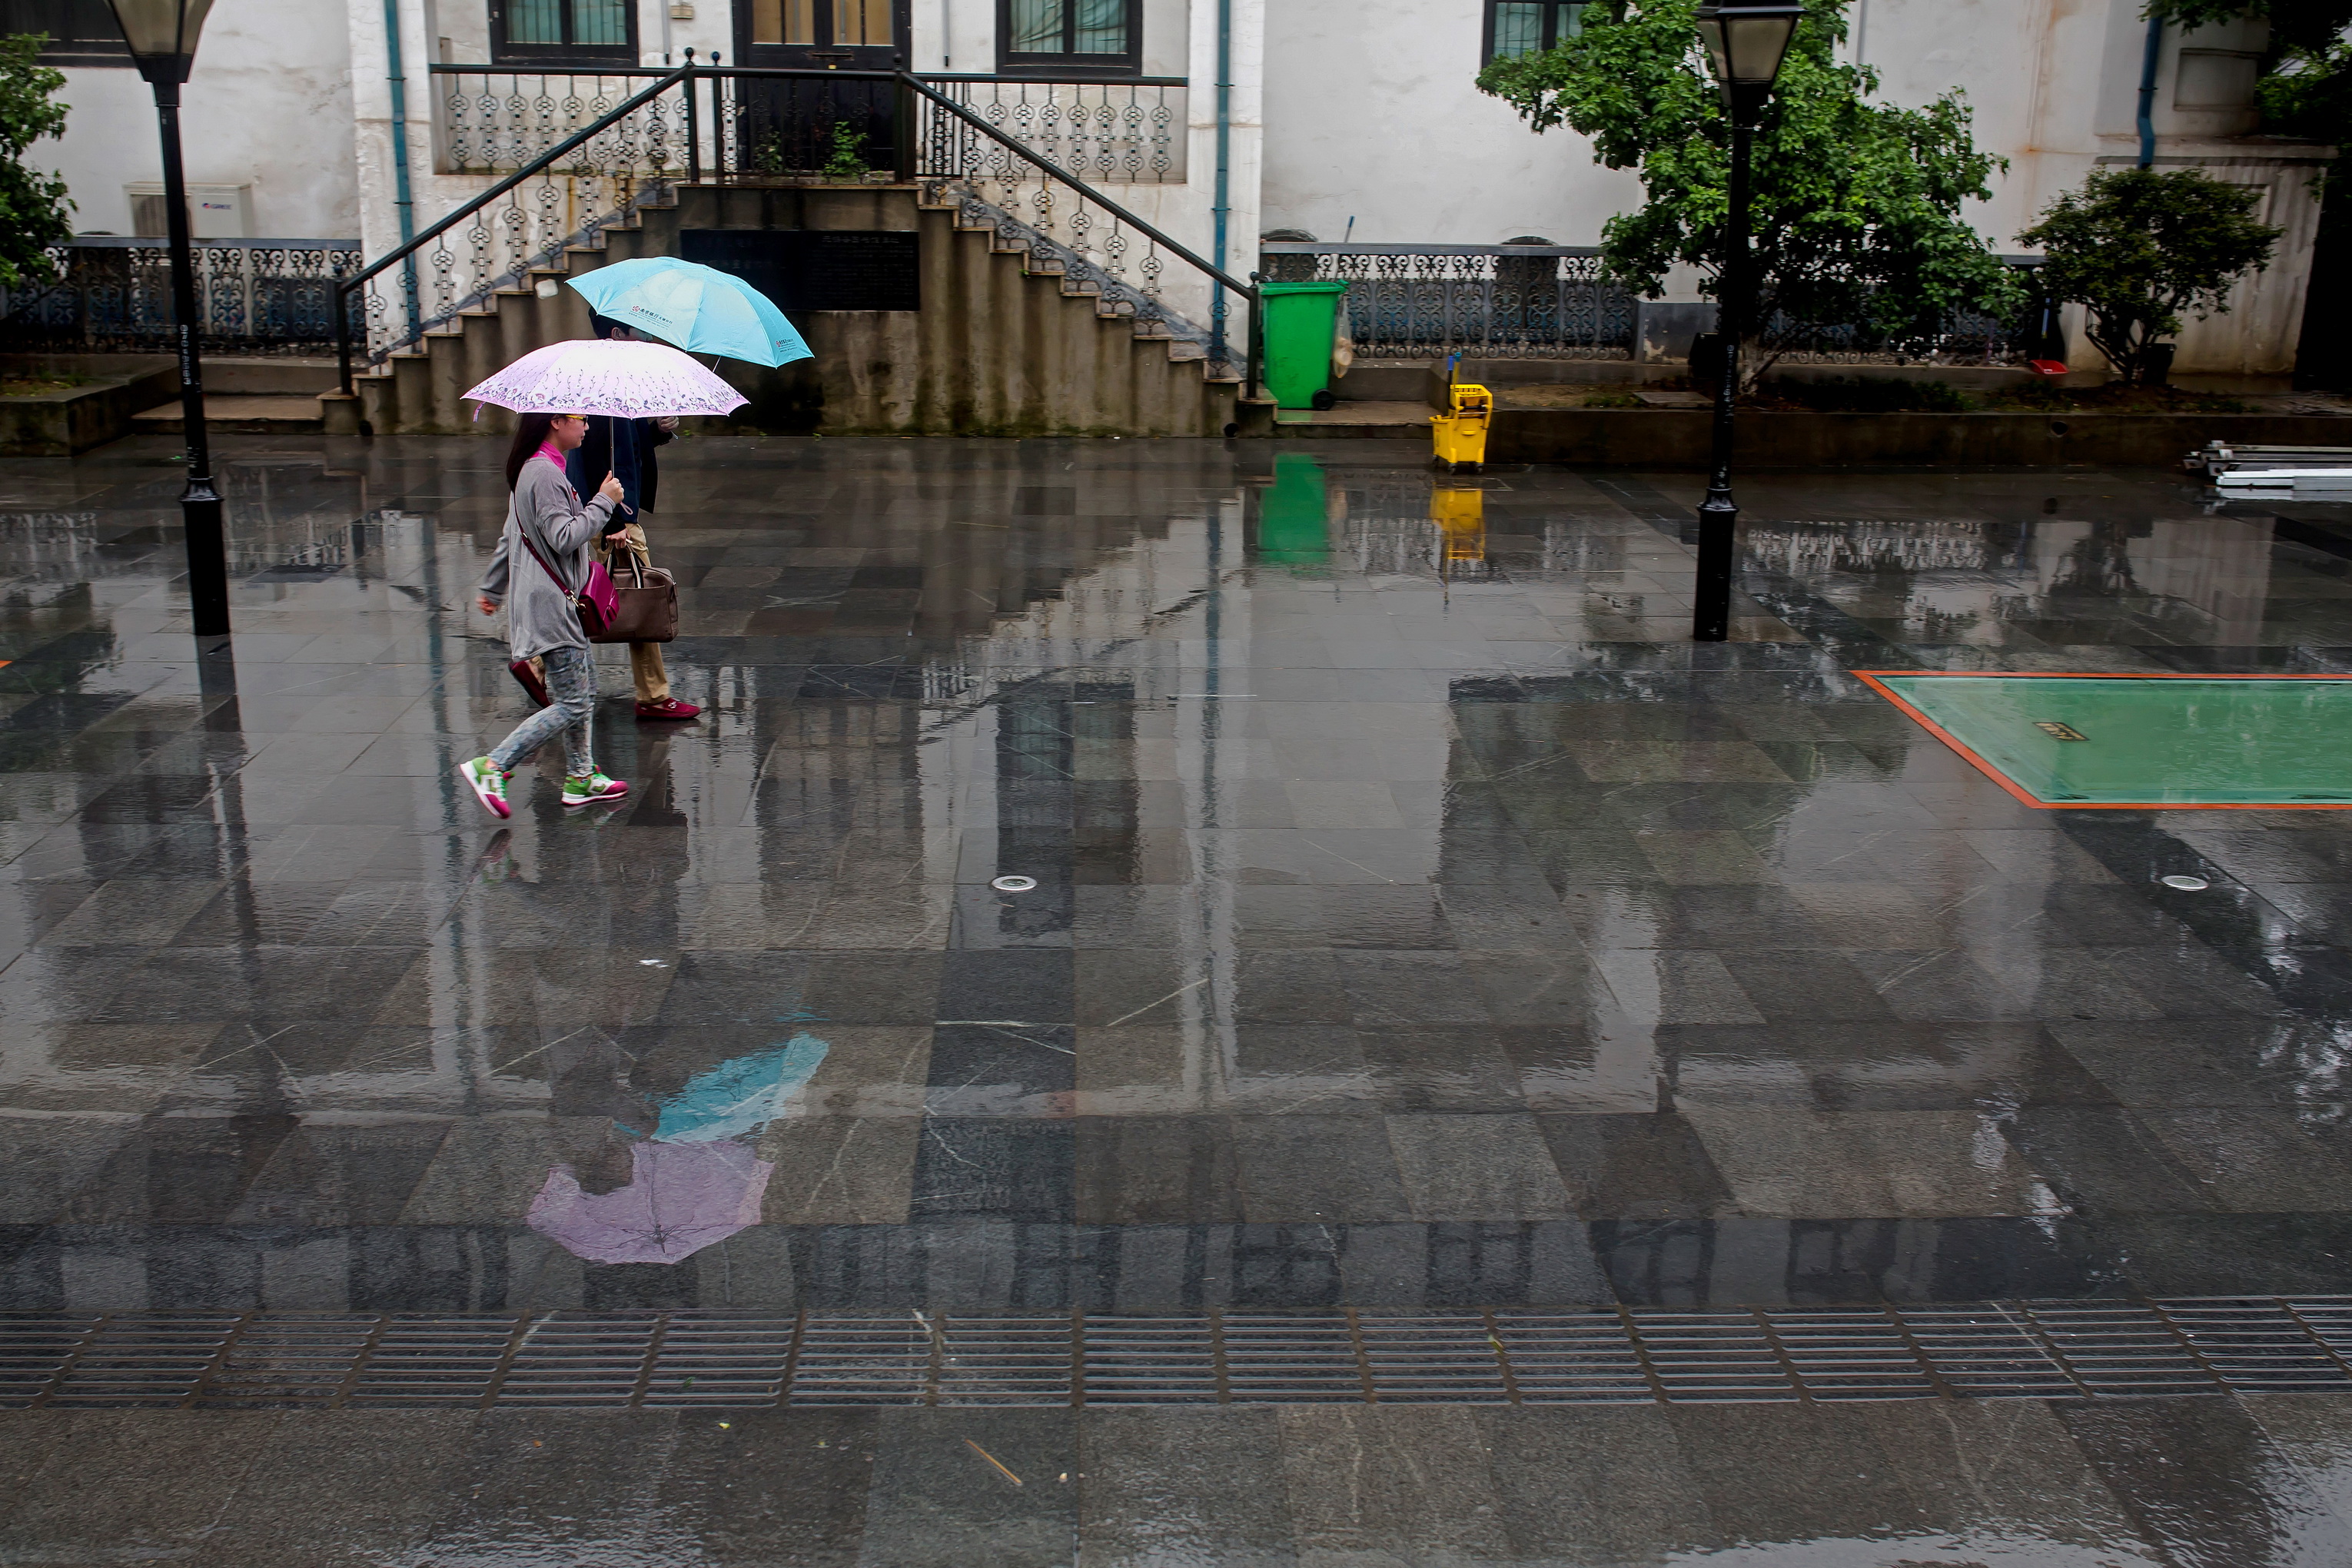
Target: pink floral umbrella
[623,378]
[680,1198]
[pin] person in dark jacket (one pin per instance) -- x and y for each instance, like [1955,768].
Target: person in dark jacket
[630,460]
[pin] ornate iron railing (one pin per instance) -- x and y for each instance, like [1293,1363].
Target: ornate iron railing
[773,125]
[256,296]
[561,194]
[1485,302]
[1109,132]
[573,176]
[1962,338]
[494,121]
[1001,183]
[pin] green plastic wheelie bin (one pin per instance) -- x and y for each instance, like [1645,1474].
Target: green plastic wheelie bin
[1300,322]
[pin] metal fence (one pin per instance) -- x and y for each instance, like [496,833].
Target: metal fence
[1526,301]
[1962,338]
[257,297]
[1487,301]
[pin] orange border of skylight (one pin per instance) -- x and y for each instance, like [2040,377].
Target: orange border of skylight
[2026,798]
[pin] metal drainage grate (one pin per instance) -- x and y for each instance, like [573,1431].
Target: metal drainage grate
[1982,1349]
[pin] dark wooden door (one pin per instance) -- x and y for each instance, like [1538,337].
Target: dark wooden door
[808,126]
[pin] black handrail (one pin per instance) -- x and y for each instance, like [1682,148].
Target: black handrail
[688,74]
[1076,184]
[343,290]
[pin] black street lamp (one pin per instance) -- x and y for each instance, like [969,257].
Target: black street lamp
[1745,40]
[162,38]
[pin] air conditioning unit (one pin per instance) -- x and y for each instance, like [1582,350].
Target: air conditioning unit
[215,212]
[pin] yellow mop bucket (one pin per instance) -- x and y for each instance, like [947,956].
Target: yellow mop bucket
[1461,432]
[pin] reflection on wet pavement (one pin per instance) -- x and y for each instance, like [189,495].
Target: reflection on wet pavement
[1419,922]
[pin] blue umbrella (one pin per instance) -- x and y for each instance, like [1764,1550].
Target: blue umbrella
[740,1096]
[699,309]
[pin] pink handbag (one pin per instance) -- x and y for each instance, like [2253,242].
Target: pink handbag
[596,598]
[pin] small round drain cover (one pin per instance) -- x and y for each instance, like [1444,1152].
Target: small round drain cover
[2186,884]
[1020,884]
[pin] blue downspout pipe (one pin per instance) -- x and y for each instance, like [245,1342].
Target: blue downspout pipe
[403,201]
[2147,91]
[1222,211]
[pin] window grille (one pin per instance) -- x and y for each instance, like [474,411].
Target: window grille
[563,30]
[853,24]
[1094,36]
[80,32]
[1516,28]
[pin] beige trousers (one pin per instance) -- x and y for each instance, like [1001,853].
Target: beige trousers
[646,666]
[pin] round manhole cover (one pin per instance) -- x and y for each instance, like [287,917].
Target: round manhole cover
[1014,884]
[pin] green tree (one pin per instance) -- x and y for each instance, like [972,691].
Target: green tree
[2140,248]
[1855,205]
[33,205]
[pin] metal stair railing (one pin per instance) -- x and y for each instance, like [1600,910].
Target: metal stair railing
[758,118]
[962,155]
[633,157]
[955,153]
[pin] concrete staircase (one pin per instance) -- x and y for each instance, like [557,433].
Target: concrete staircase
[1005,345]
[268,396]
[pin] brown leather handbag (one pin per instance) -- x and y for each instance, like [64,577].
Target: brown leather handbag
[648,608]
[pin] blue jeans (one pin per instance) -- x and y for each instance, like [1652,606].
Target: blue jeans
[571,708]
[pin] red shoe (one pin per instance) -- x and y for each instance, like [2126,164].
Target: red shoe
[668,708]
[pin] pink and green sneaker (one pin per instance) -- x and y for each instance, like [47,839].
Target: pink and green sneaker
[586,789]
[489,784]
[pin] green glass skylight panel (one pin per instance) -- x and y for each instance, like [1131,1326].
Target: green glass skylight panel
[2084,741]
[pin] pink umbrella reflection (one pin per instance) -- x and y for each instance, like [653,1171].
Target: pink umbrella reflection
[680,1198]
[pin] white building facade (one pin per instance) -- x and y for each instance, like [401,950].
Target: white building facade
[1291,118]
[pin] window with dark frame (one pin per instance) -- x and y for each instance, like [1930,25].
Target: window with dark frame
[823,24]
[80,32]
[1069,38]
[560,31]
[1516,28]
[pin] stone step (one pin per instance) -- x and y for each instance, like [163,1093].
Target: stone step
[260,413]
[276,377]
[1377,421]
[411,388]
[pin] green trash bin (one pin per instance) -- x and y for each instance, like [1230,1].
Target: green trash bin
[1300,322]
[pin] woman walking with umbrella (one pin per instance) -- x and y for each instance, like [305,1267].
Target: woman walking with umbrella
[544,551]
[542,561]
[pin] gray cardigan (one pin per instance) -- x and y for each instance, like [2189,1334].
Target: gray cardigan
[542,615]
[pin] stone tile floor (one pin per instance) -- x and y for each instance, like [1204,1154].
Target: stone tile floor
[1994,1484]
[1422,921]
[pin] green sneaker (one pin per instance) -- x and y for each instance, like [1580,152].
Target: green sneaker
[586,789]
[489,784]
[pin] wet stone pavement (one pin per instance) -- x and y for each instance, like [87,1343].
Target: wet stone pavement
[1420,925]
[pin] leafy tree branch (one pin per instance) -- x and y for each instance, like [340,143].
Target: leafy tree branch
[33,205]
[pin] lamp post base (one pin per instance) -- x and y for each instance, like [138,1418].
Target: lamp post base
[1719,532]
